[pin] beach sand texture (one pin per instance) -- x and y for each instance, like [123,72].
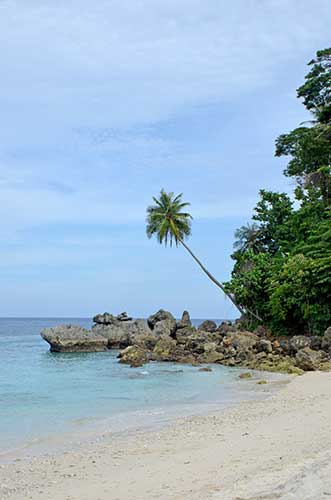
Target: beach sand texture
[279,448]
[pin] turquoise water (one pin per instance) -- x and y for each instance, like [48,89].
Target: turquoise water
[45,394]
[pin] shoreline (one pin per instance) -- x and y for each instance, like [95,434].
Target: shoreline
[275,448]
[84,431]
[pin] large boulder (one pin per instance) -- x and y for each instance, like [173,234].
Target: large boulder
[165,327]
[134,356]
[309,360]
[208,326]
[162,323]
[185,322]
[326,340]
[298,342]
[73,338]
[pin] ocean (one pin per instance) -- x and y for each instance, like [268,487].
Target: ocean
[48,397]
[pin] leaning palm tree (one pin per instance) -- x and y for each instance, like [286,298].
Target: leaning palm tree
[168,221]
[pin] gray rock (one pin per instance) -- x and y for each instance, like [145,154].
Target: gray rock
[160,315]
[165,327]
[309,360]
[123,317]
[121,334]
[73,338]
[116,336]
[183,334]
[226,327]
[326,340]
[241,340]
[264,346]
[316,342]
[185,321]
[104,319]
[208,326]
[298,342]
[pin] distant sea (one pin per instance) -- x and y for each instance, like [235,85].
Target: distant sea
[47,396]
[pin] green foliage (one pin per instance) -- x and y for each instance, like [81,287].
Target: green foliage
[166,219]
[310,163]
[316,91]
[286,276]
[247,238]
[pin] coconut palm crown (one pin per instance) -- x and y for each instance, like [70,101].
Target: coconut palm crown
[166,219]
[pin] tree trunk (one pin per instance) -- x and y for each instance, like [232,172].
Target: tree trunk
[218,283]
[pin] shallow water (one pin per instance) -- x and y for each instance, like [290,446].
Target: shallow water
[44,395]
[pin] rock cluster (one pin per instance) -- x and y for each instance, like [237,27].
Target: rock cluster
[162,338]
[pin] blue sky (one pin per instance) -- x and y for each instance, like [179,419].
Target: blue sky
[104,103]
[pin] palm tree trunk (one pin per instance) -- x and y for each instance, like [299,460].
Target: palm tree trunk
[218,283]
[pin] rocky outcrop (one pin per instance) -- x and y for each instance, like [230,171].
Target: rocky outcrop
[162,338]
[72,338]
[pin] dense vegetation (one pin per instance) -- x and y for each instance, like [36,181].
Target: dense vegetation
[282,267]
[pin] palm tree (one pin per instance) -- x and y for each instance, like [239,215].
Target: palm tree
[247,238]
[170,224]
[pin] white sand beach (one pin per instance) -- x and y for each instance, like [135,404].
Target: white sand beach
[279,448]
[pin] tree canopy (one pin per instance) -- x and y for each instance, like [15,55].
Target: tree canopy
[286,275]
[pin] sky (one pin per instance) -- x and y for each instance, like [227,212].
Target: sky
[105,103]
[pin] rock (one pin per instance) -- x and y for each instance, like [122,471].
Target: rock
[261,355]
[195,343]
[326,340]
[165,350]
[116,337]
[261,382]
[205,369]
[123,317]
[241,340]
[309,360]
[73,338]
[104,319]
[165,327]
[245,375]
[211,357]
[226,327]
[183,334]
[134,356]
[159,316]
[316,342]
[298,342]
[208,326]
[185,321]
[121,334]
[262,331]
[264,346]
